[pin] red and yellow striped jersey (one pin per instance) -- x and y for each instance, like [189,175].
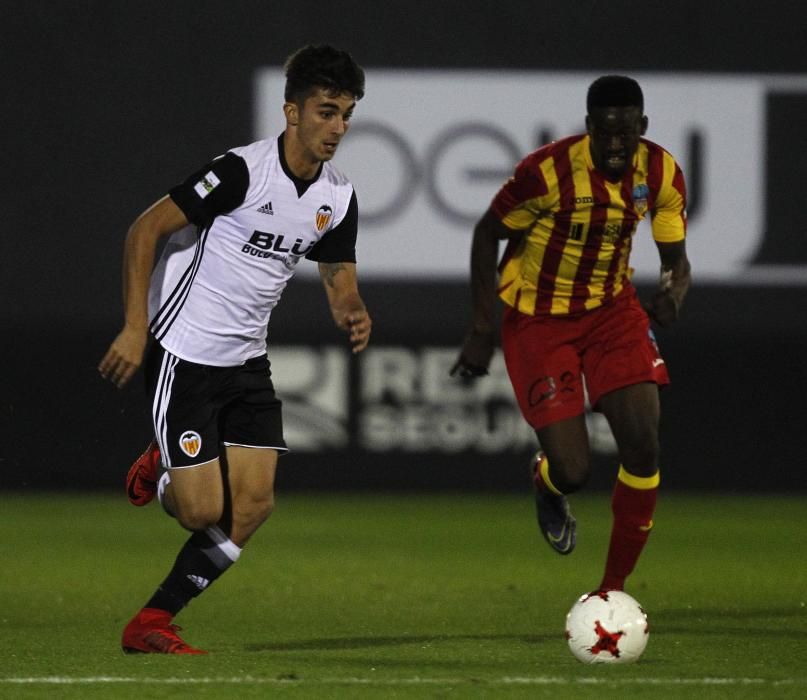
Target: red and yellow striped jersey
[579,225]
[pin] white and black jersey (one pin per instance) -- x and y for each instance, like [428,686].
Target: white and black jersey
[252,220]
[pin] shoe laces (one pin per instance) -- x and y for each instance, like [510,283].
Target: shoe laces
[166,639]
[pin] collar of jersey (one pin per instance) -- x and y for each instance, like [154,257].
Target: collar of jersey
[300,185]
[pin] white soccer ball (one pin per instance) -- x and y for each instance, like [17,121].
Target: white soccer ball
[607,627]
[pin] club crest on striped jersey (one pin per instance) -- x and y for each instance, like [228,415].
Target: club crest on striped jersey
[190,442]
[640,194]
[324,214]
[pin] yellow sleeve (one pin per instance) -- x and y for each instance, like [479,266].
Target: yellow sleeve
[669,222]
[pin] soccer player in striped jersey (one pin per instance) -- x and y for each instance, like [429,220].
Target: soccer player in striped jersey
[236,231]
[572,326]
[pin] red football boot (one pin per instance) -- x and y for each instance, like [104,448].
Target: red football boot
[141,481]
[151,632]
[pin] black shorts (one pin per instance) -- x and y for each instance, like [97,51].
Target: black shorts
[197,408]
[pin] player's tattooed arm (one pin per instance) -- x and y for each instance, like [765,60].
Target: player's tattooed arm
[347,307]
[328,271]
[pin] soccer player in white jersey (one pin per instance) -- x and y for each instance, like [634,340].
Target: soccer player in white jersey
[238,229]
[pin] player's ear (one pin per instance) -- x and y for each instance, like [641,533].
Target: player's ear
[645,123]
[588,125]
[292,113]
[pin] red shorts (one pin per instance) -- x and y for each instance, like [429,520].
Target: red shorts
[553,360]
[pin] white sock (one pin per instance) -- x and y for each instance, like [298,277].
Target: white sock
[224,545]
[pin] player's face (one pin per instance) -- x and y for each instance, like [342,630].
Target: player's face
[615,134]
[323,120]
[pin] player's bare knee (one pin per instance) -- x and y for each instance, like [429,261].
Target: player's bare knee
[641,459]
[196,521]
[198,516]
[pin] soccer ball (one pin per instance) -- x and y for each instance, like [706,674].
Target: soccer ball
[607,627]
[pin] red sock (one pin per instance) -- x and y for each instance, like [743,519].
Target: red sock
[633,503]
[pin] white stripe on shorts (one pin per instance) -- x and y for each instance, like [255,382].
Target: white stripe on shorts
[159,408]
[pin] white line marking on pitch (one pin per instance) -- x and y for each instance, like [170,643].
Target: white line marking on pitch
[536,680]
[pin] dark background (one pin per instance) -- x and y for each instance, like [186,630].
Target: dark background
[107,104]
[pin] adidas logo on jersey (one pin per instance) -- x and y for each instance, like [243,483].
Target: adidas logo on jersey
[200,582]
[266,209]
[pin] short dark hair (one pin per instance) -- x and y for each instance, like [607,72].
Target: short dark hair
[614,91]
[325,67]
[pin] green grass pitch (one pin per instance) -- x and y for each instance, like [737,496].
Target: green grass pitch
[404,595]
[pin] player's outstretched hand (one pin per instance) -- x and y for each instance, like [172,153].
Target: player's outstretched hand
[475,355]
[124,356]
[359,324]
